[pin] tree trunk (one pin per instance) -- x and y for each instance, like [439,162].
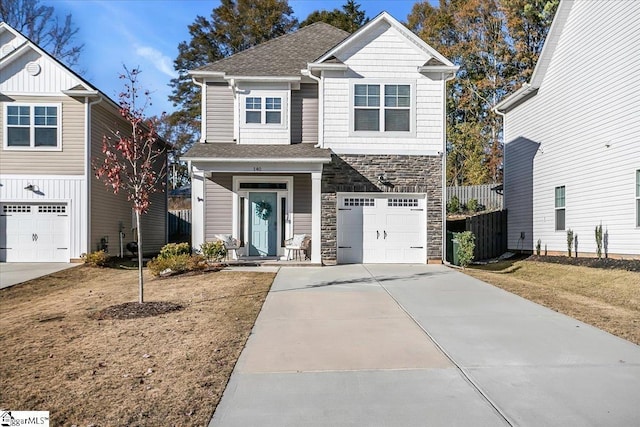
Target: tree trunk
[140,282]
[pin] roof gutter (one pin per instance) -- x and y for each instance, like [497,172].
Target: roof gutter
[515,97]
[325,66]
[258,160]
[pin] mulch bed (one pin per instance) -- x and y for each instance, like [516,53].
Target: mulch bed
[605,263]
[135,310]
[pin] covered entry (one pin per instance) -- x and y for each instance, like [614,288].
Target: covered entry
[381,228]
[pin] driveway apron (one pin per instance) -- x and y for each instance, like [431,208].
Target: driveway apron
[422,345]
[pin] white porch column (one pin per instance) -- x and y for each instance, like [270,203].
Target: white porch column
[316,217]
[197,208]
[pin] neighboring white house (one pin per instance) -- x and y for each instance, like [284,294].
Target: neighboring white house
[336,136]
[52,208]
[572,135]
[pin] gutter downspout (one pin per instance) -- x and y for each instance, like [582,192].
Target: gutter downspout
[203,110]
[445,79]
[87,164]
[504,135]
[320,82]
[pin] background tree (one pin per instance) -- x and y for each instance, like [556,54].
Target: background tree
[41,24]
[233,26]
[133,162]
[350,18]
[496,43]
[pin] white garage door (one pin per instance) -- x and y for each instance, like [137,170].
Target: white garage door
[34,232]
[381,229]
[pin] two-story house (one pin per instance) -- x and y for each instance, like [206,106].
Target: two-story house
[338,136]
[572,135]
[52,121]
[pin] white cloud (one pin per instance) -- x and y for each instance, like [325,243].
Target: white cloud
[160,61]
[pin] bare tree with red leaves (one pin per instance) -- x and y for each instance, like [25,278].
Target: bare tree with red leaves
[134,162]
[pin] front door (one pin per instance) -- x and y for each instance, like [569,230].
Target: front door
[263,224]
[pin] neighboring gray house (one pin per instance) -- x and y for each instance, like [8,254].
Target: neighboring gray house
[318,132]
[52,208]
[572,135]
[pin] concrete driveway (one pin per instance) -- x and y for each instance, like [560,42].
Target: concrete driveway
[12,273]
[423,345]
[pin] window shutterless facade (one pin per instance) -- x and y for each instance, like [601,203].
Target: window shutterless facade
[32,126]
[263,110]
[382,107]
[560,208]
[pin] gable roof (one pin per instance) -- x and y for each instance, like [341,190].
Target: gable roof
[283,56]
[527,90]
[394,23]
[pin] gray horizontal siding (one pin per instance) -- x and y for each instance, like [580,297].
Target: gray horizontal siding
[218,212]
[304,114]
[219,113]
[302,204]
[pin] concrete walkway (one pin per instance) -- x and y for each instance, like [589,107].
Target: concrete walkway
[12,273]
[423,345]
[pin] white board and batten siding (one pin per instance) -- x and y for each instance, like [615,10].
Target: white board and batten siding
[581,131]
[69,191]
[399,66]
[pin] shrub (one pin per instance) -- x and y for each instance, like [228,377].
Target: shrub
[176,263]
[174,249]
[569,241]
[213,251]
[96,259]
[599,240]
[453,206]
[538,247]
[466,245]
[473,205]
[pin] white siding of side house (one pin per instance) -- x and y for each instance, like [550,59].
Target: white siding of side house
[262,134]
[69,161]
[219,113]
[52,78]
[69,189]
[400,65]
[581,131]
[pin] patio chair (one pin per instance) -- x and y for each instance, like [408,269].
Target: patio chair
[230,243]
[298,244]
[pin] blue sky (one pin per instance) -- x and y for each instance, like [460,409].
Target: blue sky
[146,33]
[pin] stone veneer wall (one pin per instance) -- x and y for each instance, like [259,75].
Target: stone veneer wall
[359,173]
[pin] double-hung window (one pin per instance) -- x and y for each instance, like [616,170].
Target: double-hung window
[638,198]
[263,110]
[382,107]
[32,126]
[560,208]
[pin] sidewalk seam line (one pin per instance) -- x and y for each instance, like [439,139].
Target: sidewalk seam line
[460,369]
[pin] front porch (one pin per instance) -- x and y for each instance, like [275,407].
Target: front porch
[260,195]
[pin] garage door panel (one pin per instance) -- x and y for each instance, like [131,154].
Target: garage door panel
[34,232]
[392,229]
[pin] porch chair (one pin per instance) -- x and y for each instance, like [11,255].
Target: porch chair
[230,243]
[298,244]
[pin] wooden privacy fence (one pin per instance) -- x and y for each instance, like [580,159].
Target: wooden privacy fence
[484,194]
[180,222]
[490,230]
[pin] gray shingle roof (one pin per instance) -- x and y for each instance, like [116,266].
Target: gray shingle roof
[227,151]
[283,56]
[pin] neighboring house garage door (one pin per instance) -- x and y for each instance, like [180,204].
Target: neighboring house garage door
[381,229]
[34,232]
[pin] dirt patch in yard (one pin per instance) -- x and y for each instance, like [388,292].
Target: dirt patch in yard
[603,297]
[168,369]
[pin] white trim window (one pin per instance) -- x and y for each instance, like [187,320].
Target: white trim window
[638,198]
[560,207]
[33,126]
[263,110]
[372,115]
